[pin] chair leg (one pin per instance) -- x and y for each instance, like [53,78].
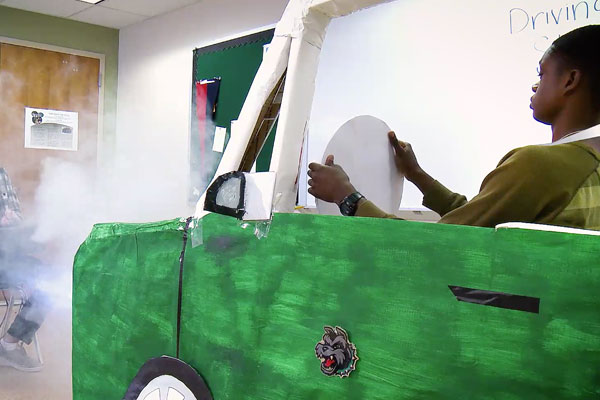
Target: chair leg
[38,351]
[36,342]
[9,306]
[7,320]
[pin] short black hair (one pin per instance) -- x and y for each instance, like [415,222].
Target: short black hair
[580,49]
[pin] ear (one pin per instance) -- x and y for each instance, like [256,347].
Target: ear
[572,81]
[341,332]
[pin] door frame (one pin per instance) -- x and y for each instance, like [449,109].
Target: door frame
[66,50]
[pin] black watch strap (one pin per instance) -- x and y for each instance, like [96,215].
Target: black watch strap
[349,205]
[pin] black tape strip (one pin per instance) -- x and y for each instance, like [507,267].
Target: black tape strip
[180,291]
[497,299]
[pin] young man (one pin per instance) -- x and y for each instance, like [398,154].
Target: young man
[556,184]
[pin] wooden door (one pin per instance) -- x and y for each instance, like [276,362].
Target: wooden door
[36,78]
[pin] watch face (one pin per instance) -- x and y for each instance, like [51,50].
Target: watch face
[350,204]
[347,209]
[167,378]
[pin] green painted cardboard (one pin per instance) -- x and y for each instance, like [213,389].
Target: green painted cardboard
[253,310]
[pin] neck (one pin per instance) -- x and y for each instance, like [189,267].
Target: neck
[565,126]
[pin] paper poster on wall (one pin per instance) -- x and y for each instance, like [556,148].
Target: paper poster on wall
[51,129]
[219,140]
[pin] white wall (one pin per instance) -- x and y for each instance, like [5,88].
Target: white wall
[153,107]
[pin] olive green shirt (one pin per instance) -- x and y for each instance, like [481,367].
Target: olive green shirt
[544,184]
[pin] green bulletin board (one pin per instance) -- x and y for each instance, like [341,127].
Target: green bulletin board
[235,62]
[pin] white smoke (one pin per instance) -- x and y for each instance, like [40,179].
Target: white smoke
[141,182]
[72,197]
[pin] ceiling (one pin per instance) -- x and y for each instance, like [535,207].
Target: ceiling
[111,13]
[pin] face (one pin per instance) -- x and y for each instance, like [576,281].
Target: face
[548,100]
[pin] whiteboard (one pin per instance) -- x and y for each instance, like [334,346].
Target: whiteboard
[453,78]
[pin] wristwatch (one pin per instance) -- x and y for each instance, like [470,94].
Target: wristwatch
[349,205]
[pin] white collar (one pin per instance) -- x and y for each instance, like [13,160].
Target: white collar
[588,133]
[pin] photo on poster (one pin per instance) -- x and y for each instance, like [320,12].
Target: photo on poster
[51,129]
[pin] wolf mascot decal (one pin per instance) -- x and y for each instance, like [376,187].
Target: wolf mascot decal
[336,352]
